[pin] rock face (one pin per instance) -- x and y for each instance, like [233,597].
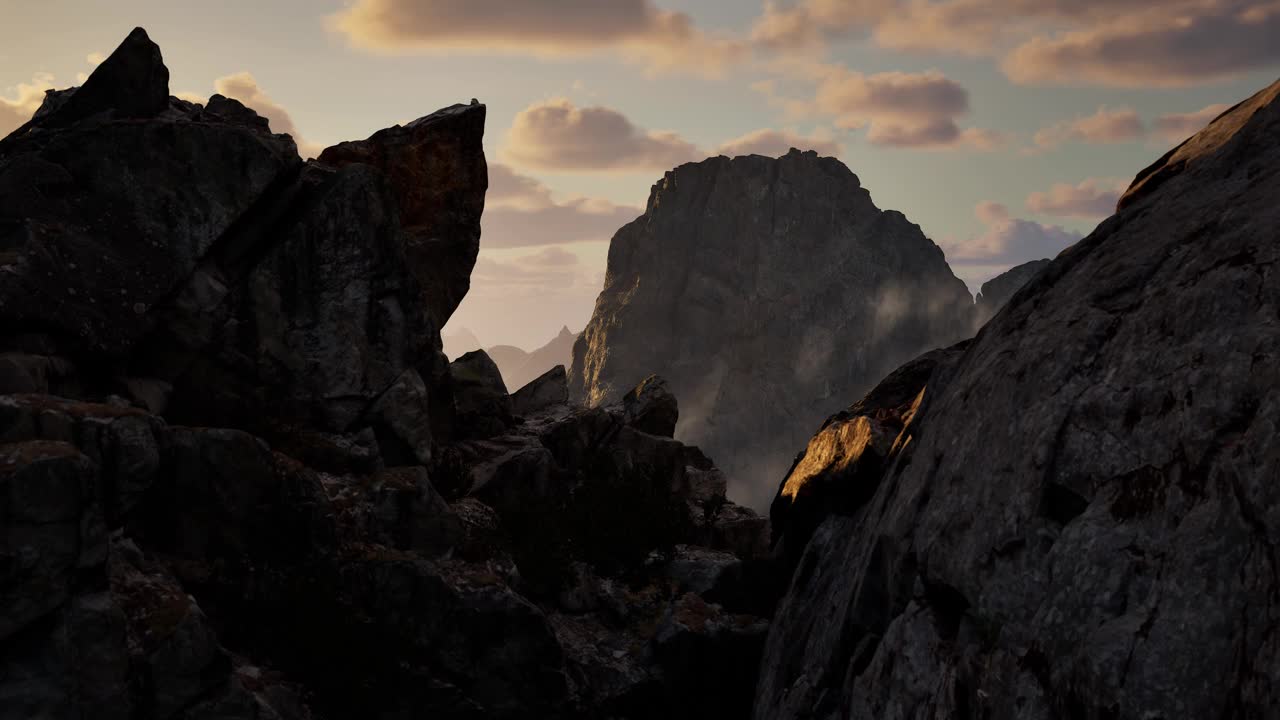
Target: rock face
[1076,518]
[764,291]
[238,478]
[997,291]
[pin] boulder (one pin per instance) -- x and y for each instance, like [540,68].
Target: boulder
[483,407]
[547,390]
[53,529]
[650,407]
[401,419]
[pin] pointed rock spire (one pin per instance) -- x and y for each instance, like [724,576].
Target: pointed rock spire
[132,82]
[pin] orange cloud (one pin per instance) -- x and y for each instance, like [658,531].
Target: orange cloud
[1176,127]
[1007,241]
[662,40]
[521,212]
[1119,43]
[1103,127]
[242,86]
[775,143]
[23,103]
[811,22]
[1091,198]
[558,135]
[907,110]
[1163,44]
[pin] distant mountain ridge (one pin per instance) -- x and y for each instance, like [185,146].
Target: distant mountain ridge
[517,365]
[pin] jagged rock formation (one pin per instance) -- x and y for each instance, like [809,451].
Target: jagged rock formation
[238,478]
[764,291]
[1073,516]
[519,367]
[1000,289]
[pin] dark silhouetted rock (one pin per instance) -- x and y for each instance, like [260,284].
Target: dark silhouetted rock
[401,417]
[479,395]
[63,213]
[550,388]
[1079,519]
[328,516]
[650,407]
[131,83]
[999,290]
[438,176]
[765,291]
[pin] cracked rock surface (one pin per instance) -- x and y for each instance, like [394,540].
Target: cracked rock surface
[1081,517]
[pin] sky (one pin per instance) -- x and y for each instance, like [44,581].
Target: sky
[1004,128]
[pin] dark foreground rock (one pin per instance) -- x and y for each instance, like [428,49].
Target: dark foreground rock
[1077,516]
[238,478]
[766,291]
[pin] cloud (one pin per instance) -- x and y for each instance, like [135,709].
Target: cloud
[558,135]
[942,134]
[25,99]
[1162,44]
[1091,198]
[95,58]
[550,270]
[991,212]
[810,23]
[775,143]
[1103,127]
[520,212]
[244,87]
[636,29]
[508,188]
[908,110]
[552,257]
[1117,43]
[1176,127]
[1007,241]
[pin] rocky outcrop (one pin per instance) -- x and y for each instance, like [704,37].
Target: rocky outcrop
[259,490]
[89,261]
[483,406]
[438,179]
[765,291]
[997,291]
[550,388]
[1077,517]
